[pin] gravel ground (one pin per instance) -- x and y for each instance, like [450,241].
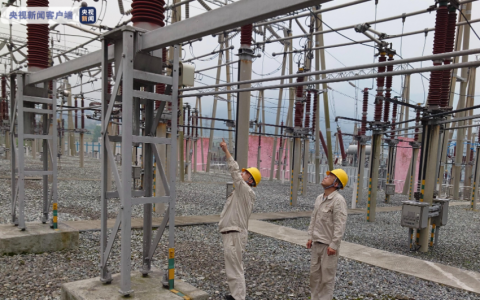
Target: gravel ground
[458,243]
[79,195]
[274,270]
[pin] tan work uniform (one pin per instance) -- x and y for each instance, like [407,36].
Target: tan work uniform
[327,226]
[234,228]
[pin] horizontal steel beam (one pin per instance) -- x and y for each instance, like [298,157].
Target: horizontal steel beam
[472,64]
[230,16]
[337,70]
[85,62]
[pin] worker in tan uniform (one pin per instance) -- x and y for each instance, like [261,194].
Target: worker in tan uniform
[327,226]
[233,223]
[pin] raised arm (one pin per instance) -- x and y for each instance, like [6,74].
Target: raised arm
[233,167]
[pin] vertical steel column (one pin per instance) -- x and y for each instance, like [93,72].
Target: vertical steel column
[277,120]
[214,109]
[105,275]
[476,177]
[295,170]
[13,157]
[54,155]
[147,184]
[429,181]
[20,152]
[229,95]
[173,179]
[243,99]
[45,161]
[469,153]
[373,181]
[361,174]
[461,104]
[319,43]
[127,140]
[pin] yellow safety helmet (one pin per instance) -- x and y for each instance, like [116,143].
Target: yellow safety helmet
[341,175]
[257,177]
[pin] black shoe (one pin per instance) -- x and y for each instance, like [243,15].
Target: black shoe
[229,297]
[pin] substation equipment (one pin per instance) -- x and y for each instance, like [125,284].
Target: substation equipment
[139,67]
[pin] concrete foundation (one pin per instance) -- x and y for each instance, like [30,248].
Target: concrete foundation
[37,238]
[144,288]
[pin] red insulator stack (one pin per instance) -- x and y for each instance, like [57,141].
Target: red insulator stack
[299,104]
[394,117]
[439,40]
[37,39]
[363,130]
[150,11]
[449,44]
[388,91]
[322,140]
[110,75]
[380,84]
[246,35]
[308,109]
[314,116]
[417,123]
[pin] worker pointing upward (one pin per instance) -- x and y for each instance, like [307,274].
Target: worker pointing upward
[233,223]
[327,226]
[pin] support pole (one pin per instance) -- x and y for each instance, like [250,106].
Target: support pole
[476,177]
[320,43]
[243,103]
[373,181]
[428,183]
[295,170]
[461,104]
[361,175]
[214,109]
[277,120]
[229,95]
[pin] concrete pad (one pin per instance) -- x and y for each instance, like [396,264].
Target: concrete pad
[439,273]
[37,238]
[144,288]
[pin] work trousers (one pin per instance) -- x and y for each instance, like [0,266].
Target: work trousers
[233,245]
[322,272]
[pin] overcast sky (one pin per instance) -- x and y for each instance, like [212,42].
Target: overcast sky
[342,96]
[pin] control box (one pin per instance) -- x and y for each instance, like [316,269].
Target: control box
[390,189]
[414,214]
[136,172]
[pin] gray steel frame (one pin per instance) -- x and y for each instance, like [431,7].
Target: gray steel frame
[132,42]
[131,80]
[18,176]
